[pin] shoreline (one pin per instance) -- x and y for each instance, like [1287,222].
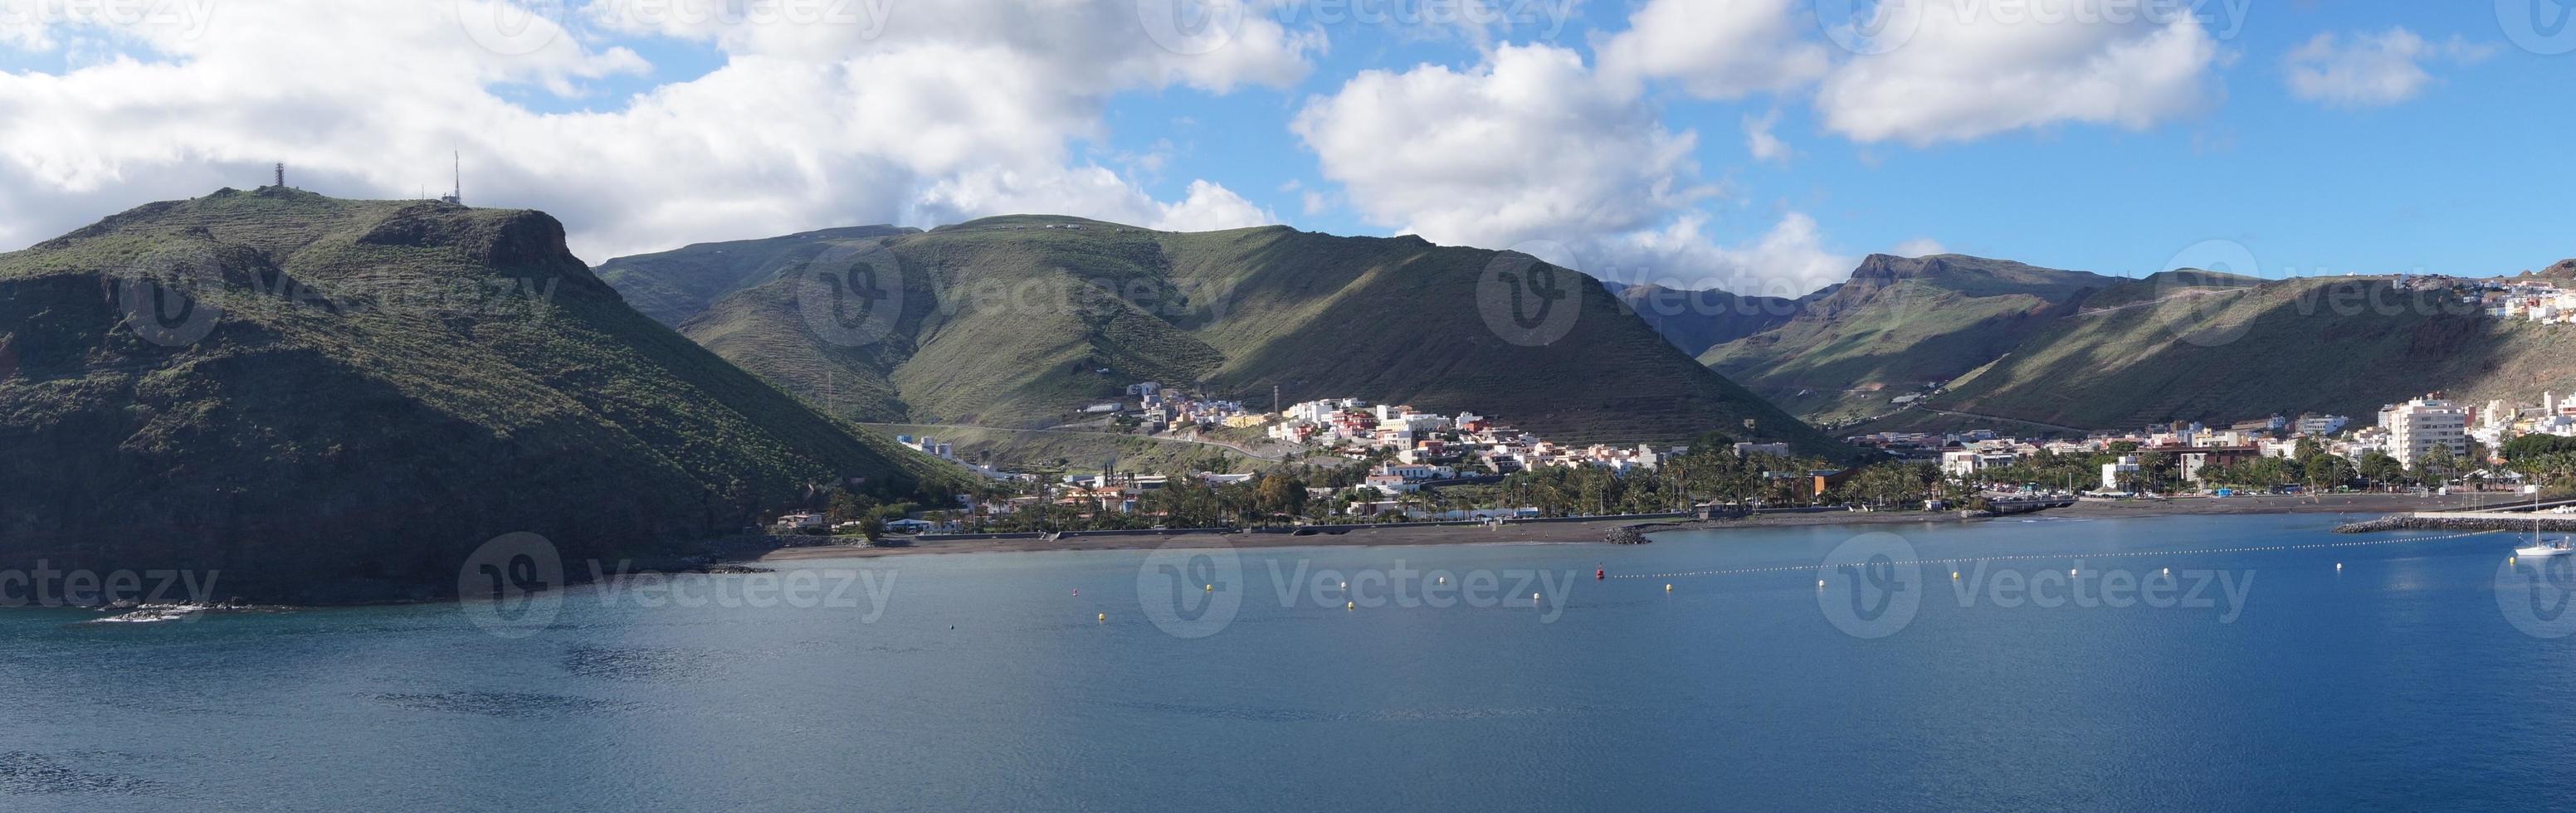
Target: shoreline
[1598,532]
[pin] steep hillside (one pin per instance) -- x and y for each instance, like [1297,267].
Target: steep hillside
[2228,353]
[1898,326]
[670,286]
[1698,320]
[332,400]
[1016,322]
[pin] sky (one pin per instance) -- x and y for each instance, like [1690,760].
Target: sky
[1759,146]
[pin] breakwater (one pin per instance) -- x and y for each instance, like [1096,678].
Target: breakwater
[2464,521]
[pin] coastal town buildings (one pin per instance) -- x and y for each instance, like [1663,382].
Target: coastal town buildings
[2417,427]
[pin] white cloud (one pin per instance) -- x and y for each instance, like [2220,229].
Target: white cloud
[2371,70]
[1715,50]
[1968,71]
[945,111]
[1212,208]
[1789,260]
[1759,141]
[1529,146]
[1920,247]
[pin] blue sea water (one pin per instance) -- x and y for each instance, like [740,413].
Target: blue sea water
[989,682]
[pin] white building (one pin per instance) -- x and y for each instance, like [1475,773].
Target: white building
[2112,472]
[2417,426]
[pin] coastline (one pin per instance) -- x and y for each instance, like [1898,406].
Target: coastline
[1596,532]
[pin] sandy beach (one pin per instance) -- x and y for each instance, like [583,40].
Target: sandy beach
[2359,506]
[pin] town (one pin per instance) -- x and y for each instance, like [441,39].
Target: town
[1380,463]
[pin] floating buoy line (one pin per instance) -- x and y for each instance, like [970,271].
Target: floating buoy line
[2033,556]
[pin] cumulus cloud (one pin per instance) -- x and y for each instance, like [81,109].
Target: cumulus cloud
[944,111]
[2370,70]
[1759,141]
[1920,247]
[1789,260]
[1529,146]
[1715,50]
[1968,71]
[1534,151]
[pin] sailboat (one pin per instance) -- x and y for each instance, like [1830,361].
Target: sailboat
[2538,547]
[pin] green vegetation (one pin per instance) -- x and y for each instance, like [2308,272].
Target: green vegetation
[388,385]
[1017,322]
[1899,326]
[2340,346]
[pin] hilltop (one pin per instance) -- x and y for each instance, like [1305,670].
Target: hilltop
[1698,320]
[1899,325]
[331,400]
[1016,322]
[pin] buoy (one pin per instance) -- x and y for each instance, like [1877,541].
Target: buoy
[1346,585]
[1104,616]
[1954,575]
[2338,565]
[1351,606]
[1668,588]
[1820,583]
[1077,591]
[1211,588]
[2070,571]
[1601,574]
[1444,580]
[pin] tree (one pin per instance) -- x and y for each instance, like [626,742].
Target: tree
[2381,469]
[874,528]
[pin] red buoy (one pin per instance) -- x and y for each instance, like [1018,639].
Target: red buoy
[1601,575]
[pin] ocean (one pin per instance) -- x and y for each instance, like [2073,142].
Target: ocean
[2239,662]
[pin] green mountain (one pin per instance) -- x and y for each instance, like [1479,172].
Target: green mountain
[1698,320]
[2215,349]
[1019,322]
[1899,326]
[330,400]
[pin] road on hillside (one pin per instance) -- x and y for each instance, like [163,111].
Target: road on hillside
[1216,443]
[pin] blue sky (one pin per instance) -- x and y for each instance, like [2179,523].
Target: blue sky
[2462,178]
[2414,136]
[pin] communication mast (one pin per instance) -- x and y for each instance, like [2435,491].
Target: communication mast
[281,175]
[457,197]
